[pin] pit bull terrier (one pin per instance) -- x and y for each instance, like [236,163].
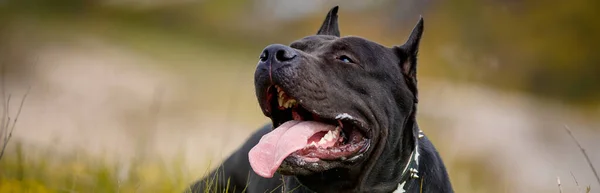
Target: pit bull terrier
[343,120]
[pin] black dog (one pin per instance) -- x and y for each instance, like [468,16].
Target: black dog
[343,111]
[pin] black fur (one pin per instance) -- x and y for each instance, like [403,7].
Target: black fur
[378,88]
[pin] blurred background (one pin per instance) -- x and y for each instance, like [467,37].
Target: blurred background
[147,95]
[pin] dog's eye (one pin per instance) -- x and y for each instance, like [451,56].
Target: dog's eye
[345,59]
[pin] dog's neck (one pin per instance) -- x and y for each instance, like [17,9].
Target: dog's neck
[406,156]
[411,166]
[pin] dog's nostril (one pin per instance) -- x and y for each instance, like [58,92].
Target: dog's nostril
[264,56]
[284,55]
[277,53]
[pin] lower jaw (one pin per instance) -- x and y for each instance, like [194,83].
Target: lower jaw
[301,164]
[295,165]
[335,154]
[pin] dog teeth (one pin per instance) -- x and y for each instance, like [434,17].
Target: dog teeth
[280,92]
[279,96]
[280,101]
[289,103]
[322,141]
[283,100]
[330,136]
[325,138]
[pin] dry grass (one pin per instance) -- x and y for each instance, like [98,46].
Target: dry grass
[587,159]
[6,128]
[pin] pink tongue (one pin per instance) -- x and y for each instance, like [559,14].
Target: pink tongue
[275,146]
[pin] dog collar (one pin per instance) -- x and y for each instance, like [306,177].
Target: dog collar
[410,170]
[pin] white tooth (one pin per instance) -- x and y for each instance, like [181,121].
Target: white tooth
[322,141]
[313,144]
[337,132]
[326,136]
[329,136]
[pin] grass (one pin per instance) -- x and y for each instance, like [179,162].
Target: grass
[588,189]
[50,172]
[46,171]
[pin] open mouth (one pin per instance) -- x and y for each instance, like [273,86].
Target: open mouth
[304,135]
[344,140]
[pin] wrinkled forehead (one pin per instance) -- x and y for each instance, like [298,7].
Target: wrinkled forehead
[348,43]
[312,43]
[358,47]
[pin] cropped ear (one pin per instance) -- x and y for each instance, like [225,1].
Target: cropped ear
[330,25]
[408,56]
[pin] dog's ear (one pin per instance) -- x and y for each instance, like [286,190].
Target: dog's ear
[408,56]
[408,52]
[330,25]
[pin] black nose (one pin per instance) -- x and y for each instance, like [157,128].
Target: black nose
[277,54]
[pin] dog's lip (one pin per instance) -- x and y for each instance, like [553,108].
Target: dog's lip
[311,164]
[361,126]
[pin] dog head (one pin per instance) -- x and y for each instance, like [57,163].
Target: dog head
[337,104]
